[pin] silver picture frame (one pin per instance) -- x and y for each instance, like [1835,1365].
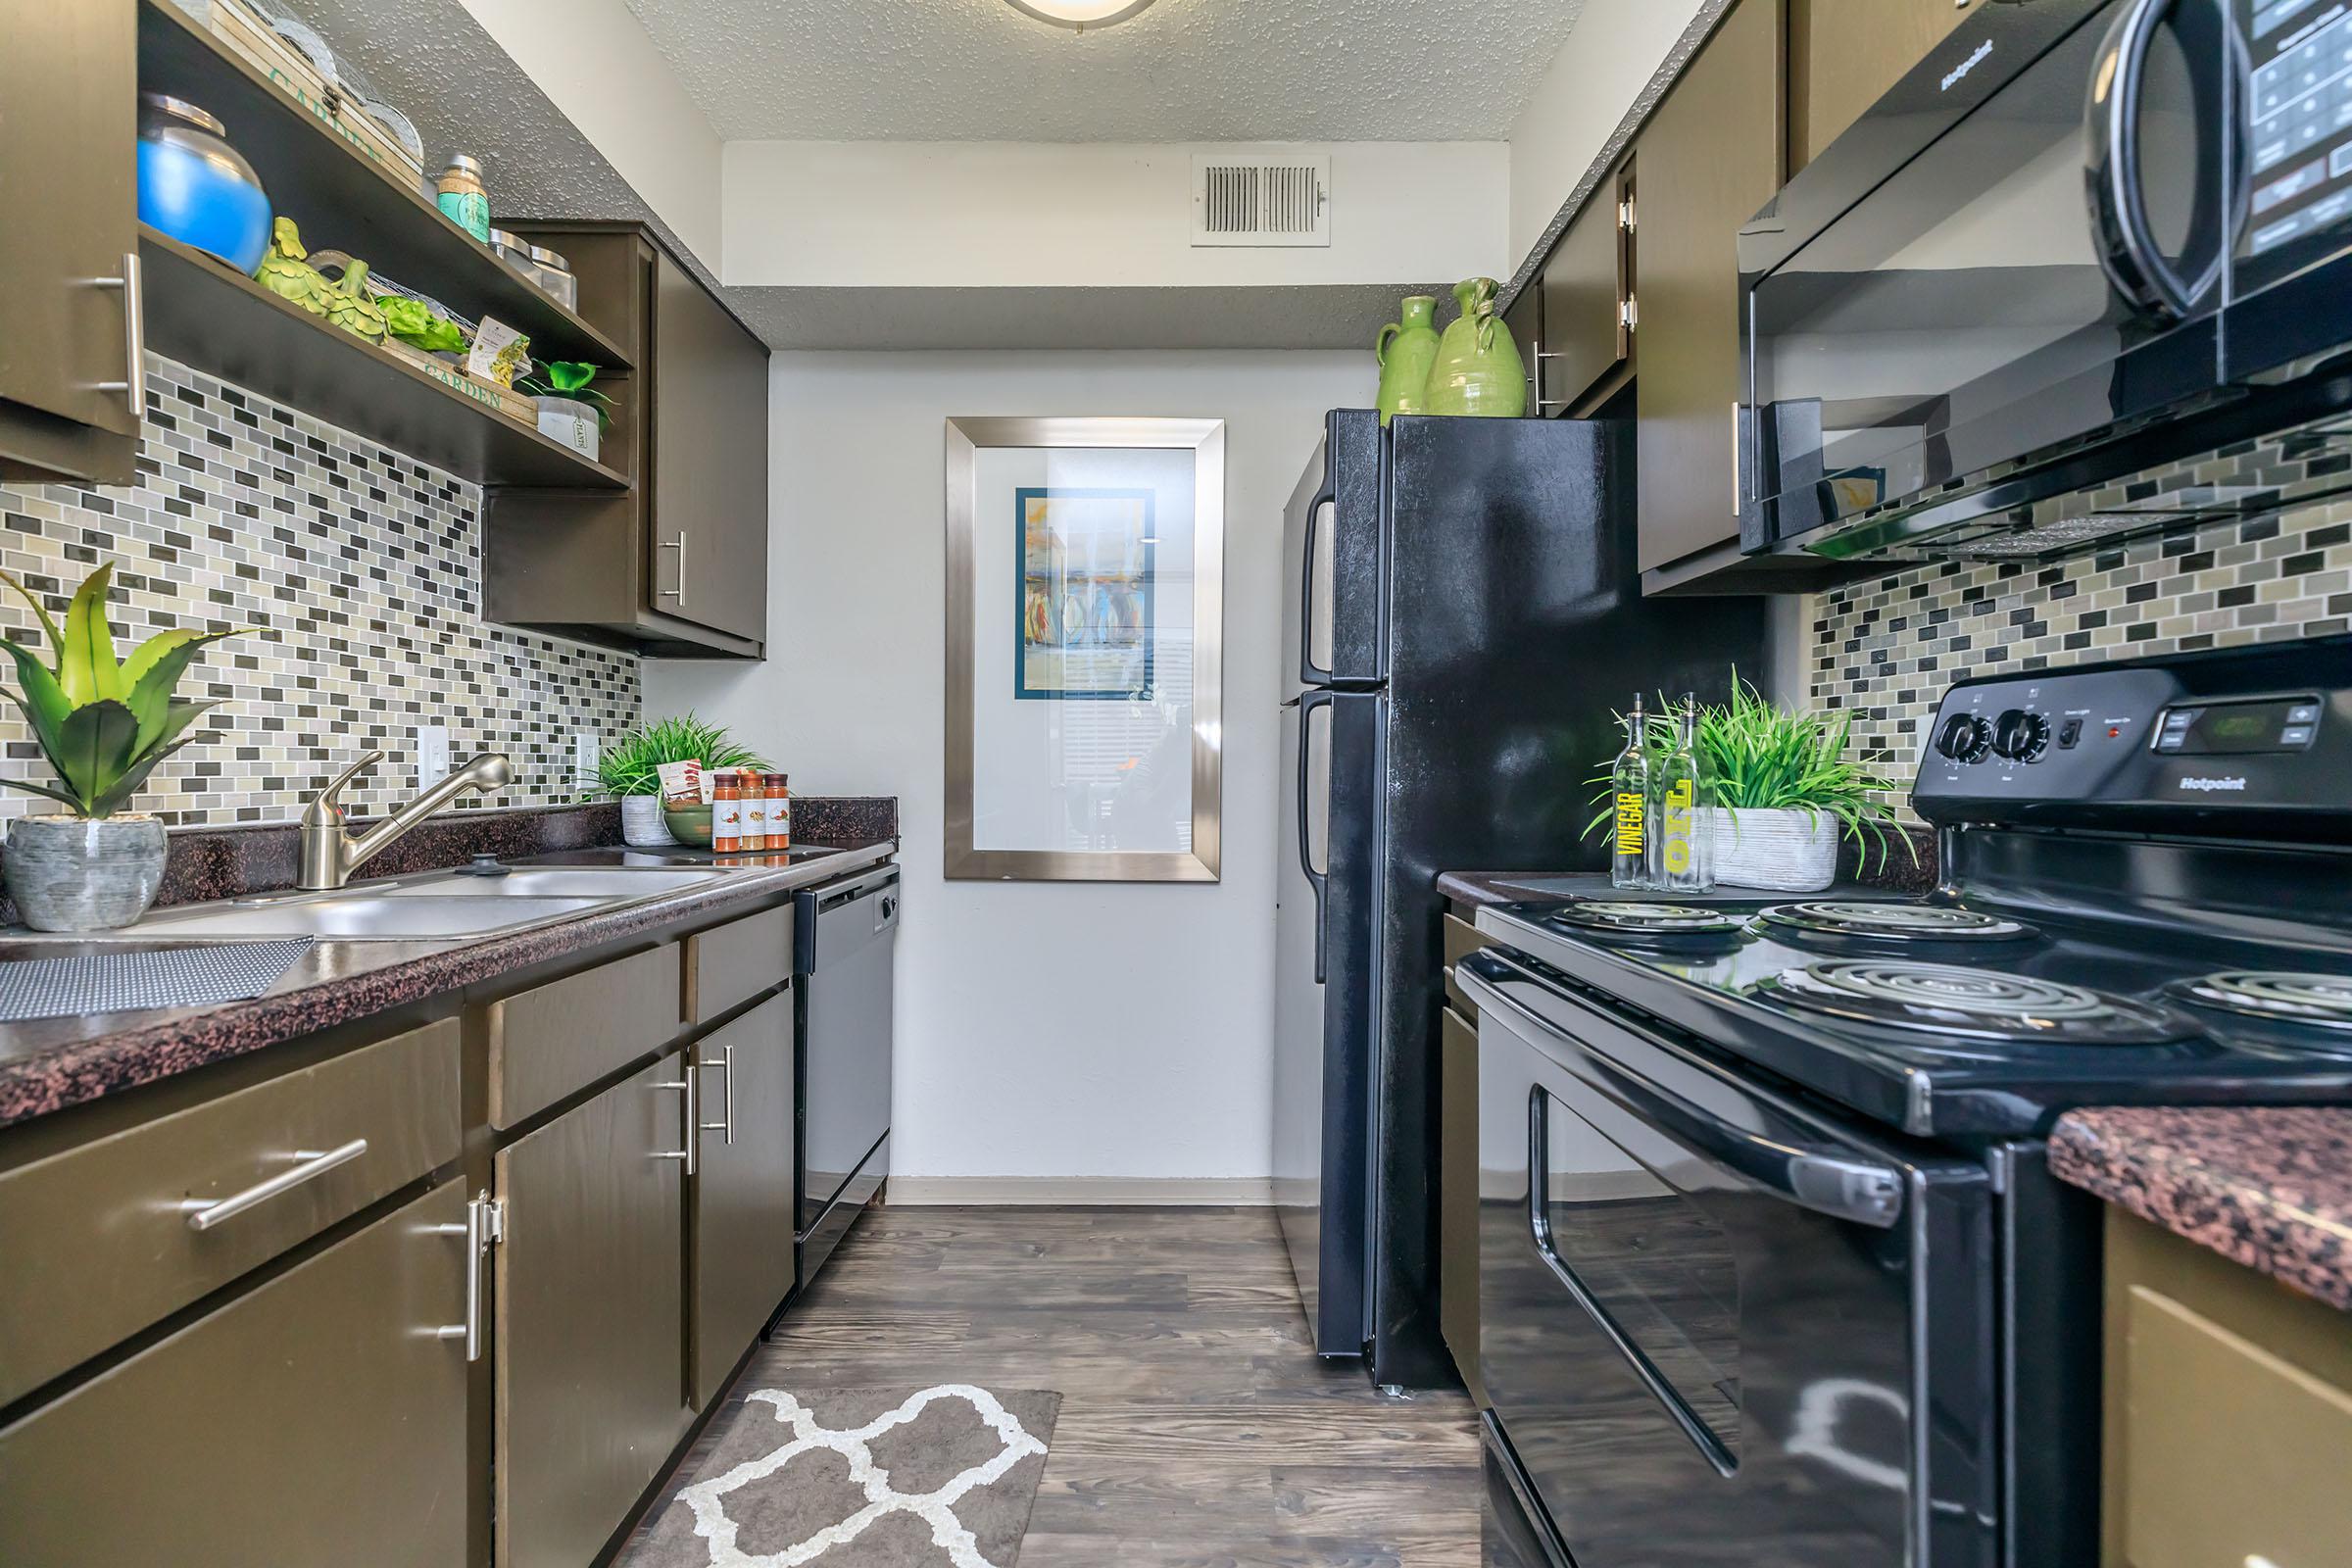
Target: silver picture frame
[1206,439]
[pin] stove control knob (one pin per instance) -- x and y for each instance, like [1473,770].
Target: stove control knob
[1964,739]
[2021,736]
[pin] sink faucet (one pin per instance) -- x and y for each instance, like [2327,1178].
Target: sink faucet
[330,854]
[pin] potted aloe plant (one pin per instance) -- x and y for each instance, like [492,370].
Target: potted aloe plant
[631,769]
[103,726]
[1784,790]
[571,411]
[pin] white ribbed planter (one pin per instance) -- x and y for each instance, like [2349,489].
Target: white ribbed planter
[1784,851]
[641,823]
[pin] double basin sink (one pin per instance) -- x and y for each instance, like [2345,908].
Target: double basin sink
[426,907]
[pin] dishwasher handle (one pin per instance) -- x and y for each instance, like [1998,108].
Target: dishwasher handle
[839,920]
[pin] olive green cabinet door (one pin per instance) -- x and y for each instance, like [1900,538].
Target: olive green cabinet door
[1843,55]
[709,460]
[68,108]
[590,1311]
[320,1418]
[743,1188]
[1709,157]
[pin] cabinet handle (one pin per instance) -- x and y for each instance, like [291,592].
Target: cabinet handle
[133,385]
[1537,377]
[679,592]
[485,1225]
[1738,458]
[202,1213]
[684,1085]
[726,1066]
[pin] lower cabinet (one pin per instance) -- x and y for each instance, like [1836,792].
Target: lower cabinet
[743,1208]
[320,1418]
[590,1317]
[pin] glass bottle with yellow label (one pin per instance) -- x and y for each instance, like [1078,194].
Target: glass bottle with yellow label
[1682,836]
[1628,804]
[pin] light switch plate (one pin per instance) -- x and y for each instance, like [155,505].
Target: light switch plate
[432,755]
[586,758]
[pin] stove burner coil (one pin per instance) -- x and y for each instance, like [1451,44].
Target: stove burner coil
[2325,1000]
[1947,998]
[1628,917]
[1895,922]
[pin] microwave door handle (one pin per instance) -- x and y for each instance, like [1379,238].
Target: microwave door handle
[2128,249]
[1317,880]
[1827,1181]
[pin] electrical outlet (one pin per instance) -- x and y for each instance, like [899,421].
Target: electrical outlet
[586,758]
[432,755]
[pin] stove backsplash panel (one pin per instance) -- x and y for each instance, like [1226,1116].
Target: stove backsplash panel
[1885,649]
[362,568]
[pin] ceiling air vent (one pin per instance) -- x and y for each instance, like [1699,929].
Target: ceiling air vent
[1281,199]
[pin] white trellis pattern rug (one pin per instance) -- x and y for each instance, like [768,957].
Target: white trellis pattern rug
[940,1476]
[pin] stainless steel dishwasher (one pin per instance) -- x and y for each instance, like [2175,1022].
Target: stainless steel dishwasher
[848,938]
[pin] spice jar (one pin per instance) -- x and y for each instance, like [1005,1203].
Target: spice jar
[726,811]
[779,811]
[755,812]
[461,194]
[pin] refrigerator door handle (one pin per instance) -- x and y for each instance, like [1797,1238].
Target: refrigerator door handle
[1319,880]
[1309,673]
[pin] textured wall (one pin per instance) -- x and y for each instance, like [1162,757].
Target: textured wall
[1887,649]
[363,570]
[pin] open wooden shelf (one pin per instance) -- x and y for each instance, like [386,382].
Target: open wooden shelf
[207,315]
[342,200]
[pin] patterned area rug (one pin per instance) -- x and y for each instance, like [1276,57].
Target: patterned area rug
[860,1478]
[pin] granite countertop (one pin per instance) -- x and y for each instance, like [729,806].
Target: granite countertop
[2268,1187]
[49,1064]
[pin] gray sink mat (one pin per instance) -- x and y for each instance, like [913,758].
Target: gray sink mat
[125,982]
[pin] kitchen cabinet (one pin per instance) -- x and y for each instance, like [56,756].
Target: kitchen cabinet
[1591,310]
[590,1336]
[320,1418]
[71,377]
[679,564]
[746,1161]
[1709,157]
[1524,320]
[1843,55]
[2228,1411]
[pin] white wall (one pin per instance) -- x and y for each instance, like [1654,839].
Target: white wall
[1615,47]
[975,215]
[1044,1030]
[596,61]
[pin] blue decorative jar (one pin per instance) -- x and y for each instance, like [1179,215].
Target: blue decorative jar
[197,189]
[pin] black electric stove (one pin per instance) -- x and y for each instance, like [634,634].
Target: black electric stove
[1772,1270]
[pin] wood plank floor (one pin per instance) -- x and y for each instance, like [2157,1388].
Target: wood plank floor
[1196,1427]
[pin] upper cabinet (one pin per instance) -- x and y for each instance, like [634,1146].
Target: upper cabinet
[1709,157]
[1843,55]
[70,370]
[1591,310]
[679,564]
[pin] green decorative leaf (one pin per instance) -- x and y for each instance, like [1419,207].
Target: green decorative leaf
[568,377]
[57,639]
[155,668]
[32,788]
[85,666]
[130,783]
[95,745]
[42,690]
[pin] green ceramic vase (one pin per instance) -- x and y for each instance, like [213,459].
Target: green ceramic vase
[1406,349]
[1478,369]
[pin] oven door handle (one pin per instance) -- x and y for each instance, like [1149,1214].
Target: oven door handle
[1826,1181]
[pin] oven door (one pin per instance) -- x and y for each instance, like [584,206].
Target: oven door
[2041,275]
[1718,1327]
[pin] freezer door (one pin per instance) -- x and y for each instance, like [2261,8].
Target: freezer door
[1333,607]
[1325,995]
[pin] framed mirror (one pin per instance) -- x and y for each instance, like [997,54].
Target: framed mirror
[1085,670]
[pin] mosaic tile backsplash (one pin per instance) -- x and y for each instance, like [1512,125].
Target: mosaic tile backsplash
[1887,649]
[361,569]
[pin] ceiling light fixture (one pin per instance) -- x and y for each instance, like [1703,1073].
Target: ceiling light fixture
[1079,15]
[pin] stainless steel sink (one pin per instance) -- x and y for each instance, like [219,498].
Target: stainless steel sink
[415,915]
[556,883]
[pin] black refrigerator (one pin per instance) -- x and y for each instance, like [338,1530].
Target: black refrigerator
[1463,617]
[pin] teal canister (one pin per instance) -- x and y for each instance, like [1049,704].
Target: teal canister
[1407,348]
[1478,369]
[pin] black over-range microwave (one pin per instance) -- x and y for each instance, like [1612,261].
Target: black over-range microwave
[2082,247]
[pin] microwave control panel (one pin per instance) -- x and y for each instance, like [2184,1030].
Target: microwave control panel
[2298,118]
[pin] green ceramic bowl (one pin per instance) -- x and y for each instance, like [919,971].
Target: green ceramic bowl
[689,825]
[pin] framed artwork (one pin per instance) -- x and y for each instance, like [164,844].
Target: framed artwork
[1085,631]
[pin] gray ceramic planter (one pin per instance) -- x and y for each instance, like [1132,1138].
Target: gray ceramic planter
[72,874]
